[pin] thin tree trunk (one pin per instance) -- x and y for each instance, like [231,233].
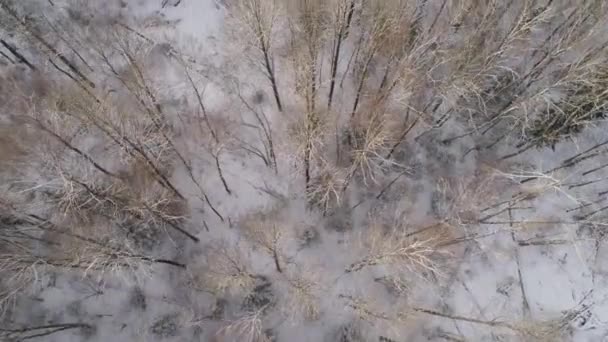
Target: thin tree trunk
[7,57]
[169,262]
[275,256]
[342,33]
[69,45]
[464,319]
[221,174]
[270,74]
[43,330]
[270,158]
[595,169]
[172,224]
[383,191]
[432,26]
[402,137]
[361,83]
[307,153]
[202,106]
[78,82]
[16,53]
[77,151]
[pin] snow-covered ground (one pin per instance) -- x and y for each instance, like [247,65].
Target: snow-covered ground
[530,268]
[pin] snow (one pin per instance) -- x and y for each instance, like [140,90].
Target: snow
[489,279]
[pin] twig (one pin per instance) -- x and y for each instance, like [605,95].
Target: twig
[586,205]
[525,304]
[384,190]
[525,243]
[595,169]
[465,319]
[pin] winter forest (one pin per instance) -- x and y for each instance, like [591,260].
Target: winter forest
[303,170]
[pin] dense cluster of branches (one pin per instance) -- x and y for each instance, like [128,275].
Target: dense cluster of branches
[401,64]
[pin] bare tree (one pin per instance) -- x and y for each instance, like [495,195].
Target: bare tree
[264,132]
[266,233]
[370,142]
[585,102]
[257,19]
[393,247]
[226,270]
[309,134]
[303,296]
[325,190]
[247,328]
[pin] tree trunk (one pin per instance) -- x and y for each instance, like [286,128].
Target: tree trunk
[342,33]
